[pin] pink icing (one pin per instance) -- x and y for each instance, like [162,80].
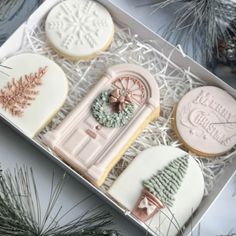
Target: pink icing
[205,120]
[91,148]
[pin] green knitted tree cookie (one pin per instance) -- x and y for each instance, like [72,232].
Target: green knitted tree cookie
[165,183]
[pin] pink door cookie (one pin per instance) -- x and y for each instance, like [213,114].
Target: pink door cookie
[94,136]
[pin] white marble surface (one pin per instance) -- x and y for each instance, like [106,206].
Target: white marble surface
[220,219]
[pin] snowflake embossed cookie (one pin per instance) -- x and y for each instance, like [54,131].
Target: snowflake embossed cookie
[33,92]
[79,29]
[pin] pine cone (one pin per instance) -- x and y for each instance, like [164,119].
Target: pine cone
[227,47]
[227,51]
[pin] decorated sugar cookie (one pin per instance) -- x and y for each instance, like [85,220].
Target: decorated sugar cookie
[95,135]
[205,121]
[32,93]
[79,29]
[157,188]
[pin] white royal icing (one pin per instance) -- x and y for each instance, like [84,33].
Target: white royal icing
[79,28]
[43,99]
[128,188]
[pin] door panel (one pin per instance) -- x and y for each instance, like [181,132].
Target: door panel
[88,152]
[75,140]
[88,141]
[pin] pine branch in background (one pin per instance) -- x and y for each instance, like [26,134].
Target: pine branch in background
[200,23]
[20,210]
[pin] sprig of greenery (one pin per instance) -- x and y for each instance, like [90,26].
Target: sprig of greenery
[20,210]
[199,23]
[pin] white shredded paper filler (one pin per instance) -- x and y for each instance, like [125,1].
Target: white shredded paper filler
[173,82]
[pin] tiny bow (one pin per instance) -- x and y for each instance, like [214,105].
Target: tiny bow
[146,204]
[120,99]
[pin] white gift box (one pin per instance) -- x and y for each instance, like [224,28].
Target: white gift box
[14,43]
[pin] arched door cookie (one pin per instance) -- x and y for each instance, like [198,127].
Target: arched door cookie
[94,136]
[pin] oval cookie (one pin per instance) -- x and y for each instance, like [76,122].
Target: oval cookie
[79,29]
[32,93]
[205,121]
[171,173]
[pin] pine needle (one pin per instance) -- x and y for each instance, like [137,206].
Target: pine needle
[20,210]
[199,23]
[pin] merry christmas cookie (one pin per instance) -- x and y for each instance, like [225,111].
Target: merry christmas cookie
[157,188]
[97,132]
[205,121]
[32,93]
[79,29]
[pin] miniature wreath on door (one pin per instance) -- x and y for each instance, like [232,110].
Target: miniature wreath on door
[115,107]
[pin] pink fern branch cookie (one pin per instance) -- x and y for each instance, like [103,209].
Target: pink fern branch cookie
[19,94]
[32,94]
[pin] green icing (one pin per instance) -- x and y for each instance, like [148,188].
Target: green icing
[102,112]
[166,182]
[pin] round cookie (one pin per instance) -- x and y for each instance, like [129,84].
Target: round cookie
[167,170]
[33,92]
[79,29]
[205,121]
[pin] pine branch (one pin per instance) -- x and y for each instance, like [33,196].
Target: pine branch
[199,23]
[20,210]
